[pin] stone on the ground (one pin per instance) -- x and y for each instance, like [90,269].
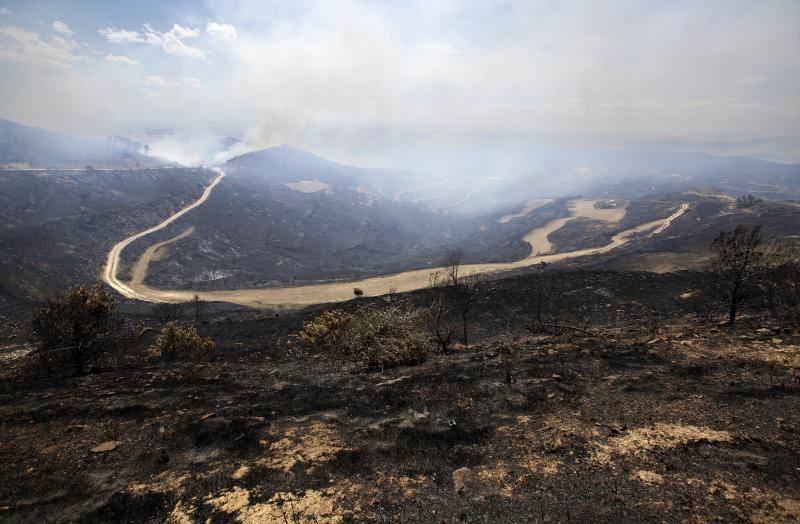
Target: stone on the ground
[461,478]
[105,447]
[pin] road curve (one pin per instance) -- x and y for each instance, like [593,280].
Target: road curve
[401,282]
[112,261]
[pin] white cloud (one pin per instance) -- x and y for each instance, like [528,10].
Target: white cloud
[120,59]
[184,32]
[157,82]
[119,36]
[5,11]
[20,45]
[154,81]
[221,32]
[61,27]
[170,42]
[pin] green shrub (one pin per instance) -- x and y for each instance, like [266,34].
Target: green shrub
[372,338]
[177,343]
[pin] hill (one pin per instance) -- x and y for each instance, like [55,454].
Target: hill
[283,215]
[57,226]
[30,147]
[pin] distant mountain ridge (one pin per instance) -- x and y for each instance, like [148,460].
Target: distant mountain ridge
[26,146]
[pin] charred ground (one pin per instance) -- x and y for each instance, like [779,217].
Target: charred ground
[657,416]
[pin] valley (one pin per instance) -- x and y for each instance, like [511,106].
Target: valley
[400,282]
[399,262]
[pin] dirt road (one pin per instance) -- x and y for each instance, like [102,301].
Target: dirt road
[112,261]
[339,291]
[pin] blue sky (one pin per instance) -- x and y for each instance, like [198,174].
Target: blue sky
[304,71]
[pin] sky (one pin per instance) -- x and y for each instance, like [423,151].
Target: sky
[355,76]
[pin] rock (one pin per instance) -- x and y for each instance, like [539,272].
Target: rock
[556,376]
[105,447]
[207,416]
[565,388]
[764,331]
[461,478]
[392,381]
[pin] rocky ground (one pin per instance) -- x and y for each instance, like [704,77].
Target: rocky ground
[682,421]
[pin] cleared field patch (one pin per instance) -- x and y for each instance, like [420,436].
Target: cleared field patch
[530,205]
[308,186]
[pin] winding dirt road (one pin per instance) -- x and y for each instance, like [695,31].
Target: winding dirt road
[112,261]
[339,291]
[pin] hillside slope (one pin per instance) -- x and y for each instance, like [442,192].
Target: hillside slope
[697,423]
[282,215]
[57,226]
[30,147]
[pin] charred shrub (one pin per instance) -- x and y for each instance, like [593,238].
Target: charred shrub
[185,344]
[741,261]
[167,312]
[372,338]
[79,329]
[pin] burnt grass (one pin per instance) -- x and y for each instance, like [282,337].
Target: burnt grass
[653,416]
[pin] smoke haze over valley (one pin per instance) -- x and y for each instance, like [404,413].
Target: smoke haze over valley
[380,261]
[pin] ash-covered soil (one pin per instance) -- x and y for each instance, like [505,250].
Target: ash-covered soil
[654,416]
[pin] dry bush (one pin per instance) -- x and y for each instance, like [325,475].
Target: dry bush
[388,337]
[79,329]
[177,343]
[371,338]
[327,331]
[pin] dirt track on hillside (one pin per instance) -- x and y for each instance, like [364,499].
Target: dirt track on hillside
[155,252]
[406,280]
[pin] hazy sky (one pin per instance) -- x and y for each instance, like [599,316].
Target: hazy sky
[305,72]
